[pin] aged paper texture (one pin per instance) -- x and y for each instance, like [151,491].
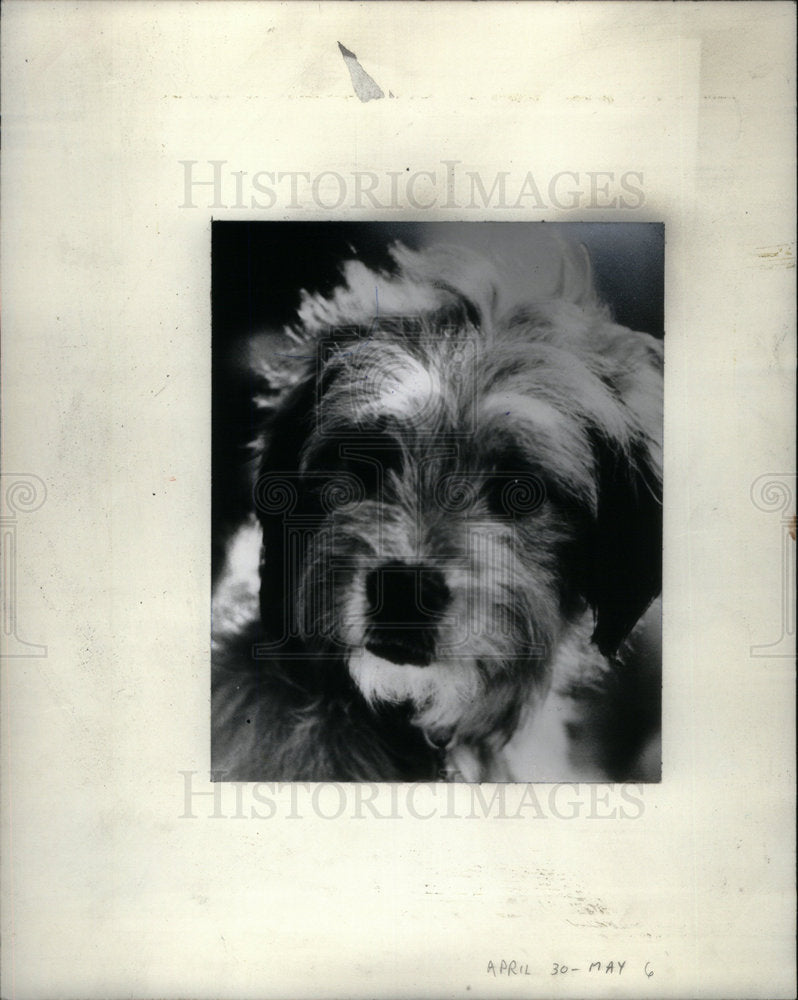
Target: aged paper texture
[127,129]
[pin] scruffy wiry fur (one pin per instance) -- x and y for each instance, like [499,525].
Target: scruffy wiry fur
[459,499]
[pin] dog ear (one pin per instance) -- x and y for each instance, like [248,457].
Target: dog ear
[625,564]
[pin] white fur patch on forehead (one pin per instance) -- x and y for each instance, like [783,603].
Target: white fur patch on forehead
[406,388]
[378,377]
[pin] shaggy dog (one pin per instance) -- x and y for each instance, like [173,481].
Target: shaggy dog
[459,507]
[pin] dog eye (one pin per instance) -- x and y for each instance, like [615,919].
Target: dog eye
[495,496]
[372,460]
[514,494]
[369,460]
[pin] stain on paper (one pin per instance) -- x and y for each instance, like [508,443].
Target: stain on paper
[781,255]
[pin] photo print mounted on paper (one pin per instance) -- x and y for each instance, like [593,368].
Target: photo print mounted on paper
[437,501]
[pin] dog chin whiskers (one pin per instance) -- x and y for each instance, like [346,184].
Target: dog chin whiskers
[438,693]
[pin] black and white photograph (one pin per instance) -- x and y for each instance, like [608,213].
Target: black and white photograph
[397,502]
[437,489]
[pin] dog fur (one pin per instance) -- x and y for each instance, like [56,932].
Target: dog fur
[458,504]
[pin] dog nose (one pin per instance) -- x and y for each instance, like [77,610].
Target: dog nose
[400,593]
[405,603]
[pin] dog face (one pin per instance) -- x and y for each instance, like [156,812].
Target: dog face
[449,485]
